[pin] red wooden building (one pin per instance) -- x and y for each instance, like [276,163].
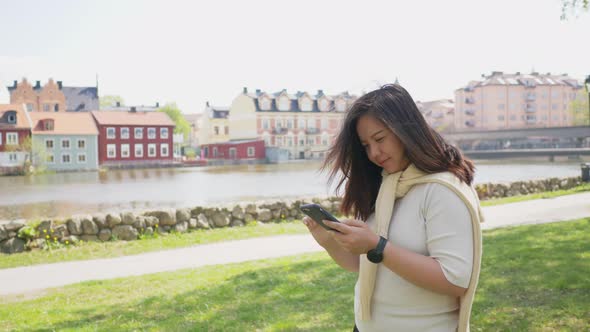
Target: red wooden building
[134,138]
[15,128]
[235,150]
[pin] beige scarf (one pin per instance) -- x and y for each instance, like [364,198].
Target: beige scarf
[396,185]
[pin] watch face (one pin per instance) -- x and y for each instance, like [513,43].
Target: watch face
[374,257]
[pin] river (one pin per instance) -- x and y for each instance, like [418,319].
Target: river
[65,194]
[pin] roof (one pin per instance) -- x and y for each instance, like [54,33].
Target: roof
[64,123]
[81,99]
[294,99]
[132,118]
[23,121]
[527,80]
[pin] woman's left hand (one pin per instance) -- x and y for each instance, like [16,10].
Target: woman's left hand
[355,236]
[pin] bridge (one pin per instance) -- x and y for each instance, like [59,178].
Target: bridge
[555,132]
[515,153]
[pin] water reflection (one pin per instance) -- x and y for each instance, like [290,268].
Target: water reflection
[65,194]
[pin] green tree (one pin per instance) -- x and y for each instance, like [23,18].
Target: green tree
[110,101]
[182,126]
[578,109]
[573,7]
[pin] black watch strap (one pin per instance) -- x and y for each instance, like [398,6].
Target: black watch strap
[376,255]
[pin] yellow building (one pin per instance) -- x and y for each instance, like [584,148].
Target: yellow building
[214,125]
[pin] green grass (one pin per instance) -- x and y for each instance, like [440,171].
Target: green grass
[548,194]
[534,278]
[92,250]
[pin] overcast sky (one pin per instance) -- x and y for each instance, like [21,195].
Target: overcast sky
[189,53]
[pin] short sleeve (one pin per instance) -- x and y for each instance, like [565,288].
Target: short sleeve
[449,234]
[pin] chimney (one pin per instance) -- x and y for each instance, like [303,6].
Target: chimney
[133,109]
[245,90]
[15,84]
[59,84]
[207,104]
[258,91]
[320,92]
[38,85]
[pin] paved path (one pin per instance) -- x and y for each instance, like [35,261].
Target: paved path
[33,278]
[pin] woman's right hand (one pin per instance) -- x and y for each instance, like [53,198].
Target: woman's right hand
[320,234]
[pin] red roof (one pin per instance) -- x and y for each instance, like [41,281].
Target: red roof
[64,123]
[132,118]
[22,117]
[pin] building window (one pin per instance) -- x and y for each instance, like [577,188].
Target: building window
[50,159]
[111,133]
[290,123]
[151,150]
[163,133]
[265,124]
[65,143]
[340,105]
[265,104]
[310,123]
[501,106]
[138,134]
[301,124]
[306,104]
[289,141]
[138,150]
[11,119]
[13,157]
[226,130]
[65,159]
[151,133]
[284,104]
[81,158]
[49,144]
[48,125]
[124,150]
[111,151]
[29,107]
[215,152]
[233,153]
[11,138]
[164,150]
[324,104]
[216,130]
[56,107]
[46,107]
[500,117]
[324,123]
[81,144]
[124,133]
[251,151]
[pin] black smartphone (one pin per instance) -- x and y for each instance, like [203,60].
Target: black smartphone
[318,214]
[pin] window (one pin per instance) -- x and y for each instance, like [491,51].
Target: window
[13,157]
[500,117]
[49,144]
[11,138]
[251,151]
[233,153]
[323,104]
[265,104]
[501,106]
[164,150]
[310,123]
[324,123]
[163,133]
[284,104]
[29,107]
[289,141]
[226,130]
[46,107]
[138,134]
[554,107]
[301,124]
[124,150]
[56,107]
[11,119]
[138,150]
[290,123]
[216,130]
[111,151]
[50,159]
[65,158]
[125,133]
[151,133]
[264,123]
[151,150]
[65,143]
[81,144]
[340,105]
[48,125]
[215,152]
[81,158]
[513,118]
[306,104]
[111,133]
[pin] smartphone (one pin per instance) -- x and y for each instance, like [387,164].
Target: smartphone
[318,214]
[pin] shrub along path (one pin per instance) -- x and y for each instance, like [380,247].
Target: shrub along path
[33,278]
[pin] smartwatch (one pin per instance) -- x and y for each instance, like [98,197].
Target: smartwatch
[376,255]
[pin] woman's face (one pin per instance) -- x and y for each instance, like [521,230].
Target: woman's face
[383,147]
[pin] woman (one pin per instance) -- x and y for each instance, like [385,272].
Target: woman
[416,241]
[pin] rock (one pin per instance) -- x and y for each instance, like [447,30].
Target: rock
[148,231]
[192,223]
[125,232]
[104,234]
[89,227]
[127,218]
[72,239]
[151,221]
[3,233]
[180,227]
[14,225]
[12,245]
[75,226]
[139,222]
[183,215]
[251,209]
[100,220]
[44,228]
[248,218]
[264,215]
[113,219]
[202,221]
[61,231]
[236,223]
[237,212]
[11,234]
[220,219]
[89,238]
[165,217]
[38,244]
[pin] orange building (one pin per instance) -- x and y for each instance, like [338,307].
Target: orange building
[53,97]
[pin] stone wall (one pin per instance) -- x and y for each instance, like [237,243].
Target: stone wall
[17,235]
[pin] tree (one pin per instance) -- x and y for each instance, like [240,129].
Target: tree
[110,101]
[578,109]
[182,126]
[569,7]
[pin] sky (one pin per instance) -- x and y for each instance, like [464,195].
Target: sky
[191,52]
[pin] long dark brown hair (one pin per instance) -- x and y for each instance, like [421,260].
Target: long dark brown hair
[424,147]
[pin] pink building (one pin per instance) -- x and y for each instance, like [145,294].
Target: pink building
[514,101]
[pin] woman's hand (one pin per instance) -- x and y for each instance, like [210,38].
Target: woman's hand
[320,234]
[354,236]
